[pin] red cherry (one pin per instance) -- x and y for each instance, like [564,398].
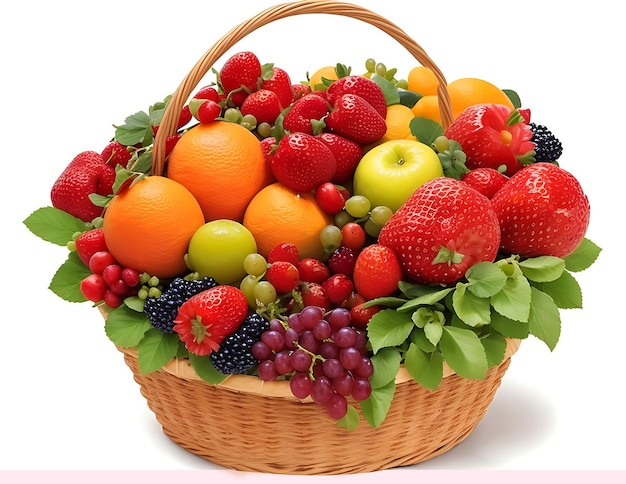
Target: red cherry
[329,197]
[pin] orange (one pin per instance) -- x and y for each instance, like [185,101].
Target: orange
[422,81]
[398,119]
[316,79]
[222,164]
[278,214]
[468,91]
[147,227]
[427,107]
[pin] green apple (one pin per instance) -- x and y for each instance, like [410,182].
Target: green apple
[390,172]
[218,248]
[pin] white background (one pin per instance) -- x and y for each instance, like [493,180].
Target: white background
[72,69]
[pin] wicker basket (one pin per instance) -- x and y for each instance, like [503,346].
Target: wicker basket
[251,425]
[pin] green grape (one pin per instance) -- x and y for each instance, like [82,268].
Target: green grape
[330,237]
[255,264]
[71,245]
[264,129]
[381,69]
[390,73]
[380,214]
[154,292]
[248,122]
[264,293]
[98,222]
[358,206]
[441,144]
[342,218]
[371,228]
[370,65]
[247,286]
[233,115]
[402,84]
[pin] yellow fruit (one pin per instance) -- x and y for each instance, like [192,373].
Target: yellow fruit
[398,119]
[422,81]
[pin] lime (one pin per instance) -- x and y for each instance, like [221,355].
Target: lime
[218,250]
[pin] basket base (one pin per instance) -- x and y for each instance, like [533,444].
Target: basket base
[256,433]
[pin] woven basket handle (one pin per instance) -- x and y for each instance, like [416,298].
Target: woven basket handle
[169,122]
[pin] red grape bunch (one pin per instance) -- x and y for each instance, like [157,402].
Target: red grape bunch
[321,354]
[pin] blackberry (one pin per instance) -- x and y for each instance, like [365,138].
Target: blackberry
[234,355]
[162,310]
[548,148]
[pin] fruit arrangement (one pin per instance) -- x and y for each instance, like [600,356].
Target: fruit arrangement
[326,232]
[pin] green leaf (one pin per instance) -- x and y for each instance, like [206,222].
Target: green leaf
[509,327]
[565,291]
[137,129]
[386,365]
[66,281]
[408,98]
[376,406]
[418,337]
[350,421]
[463,352]
[514,97]
[433,331]
[513,301]
[388,328]
[485,279]
[156,349]
[544,321]
[135,303]
[495,348]
[205,369]
[542,269]
[389,89]
[54,225]
[425,130]
[425,299]
[473,310]
[425,368]
[583,257]
[125,327]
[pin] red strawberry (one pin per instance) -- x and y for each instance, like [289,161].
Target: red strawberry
[442,230]
[300,90]
[268,146]
[87,173]
[491,135]
[209,93]
[305,114]
[90,242]
[354,118]
[284,276]
[313,295]
[263,104]
[542,211]
[115,153]
[204,320]
[313,270]
[362,87]
[338,288]
[280,83]
[377,272]
[347,153]
[485,180]
[239,76]
[303,162]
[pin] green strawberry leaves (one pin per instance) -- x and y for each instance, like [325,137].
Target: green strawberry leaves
[466,326]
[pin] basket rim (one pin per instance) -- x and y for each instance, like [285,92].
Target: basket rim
[251,384]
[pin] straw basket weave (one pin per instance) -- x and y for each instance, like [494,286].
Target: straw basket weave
[251,425]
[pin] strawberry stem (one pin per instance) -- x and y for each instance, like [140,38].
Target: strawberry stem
[447,256]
